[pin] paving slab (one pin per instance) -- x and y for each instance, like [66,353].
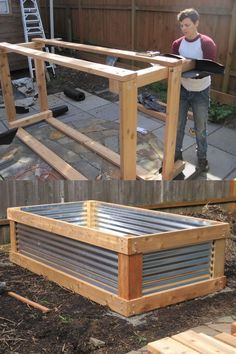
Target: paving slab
[98,118]
[224,139]
[109,111]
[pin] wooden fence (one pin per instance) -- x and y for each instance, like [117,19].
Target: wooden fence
[135,193]
[146,25]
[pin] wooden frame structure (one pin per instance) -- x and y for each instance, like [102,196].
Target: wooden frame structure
[125,82]
[132,260]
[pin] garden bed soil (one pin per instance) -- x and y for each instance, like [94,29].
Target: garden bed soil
[74,321]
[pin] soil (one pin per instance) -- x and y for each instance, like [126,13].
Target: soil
[74,321]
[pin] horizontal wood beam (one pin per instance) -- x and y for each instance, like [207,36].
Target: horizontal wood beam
[173,296]
[50,157]
[223,97]
[77,64]
[100,149]
[74,284]
[165,61]
[4,222]
[75,232]
[23,122]
[173,239]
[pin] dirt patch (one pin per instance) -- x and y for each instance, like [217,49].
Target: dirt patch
[74,320]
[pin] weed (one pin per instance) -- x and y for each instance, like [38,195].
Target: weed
[65,319]
[219,112]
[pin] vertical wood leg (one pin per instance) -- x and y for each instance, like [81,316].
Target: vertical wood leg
[130,276]
[219,258]
[13,236]
[172,113]
[128,129]
[7,91]
[41,83]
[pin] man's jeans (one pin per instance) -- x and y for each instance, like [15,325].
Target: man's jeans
[199,101]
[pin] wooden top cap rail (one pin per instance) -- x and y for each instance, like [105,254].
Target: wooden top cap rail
[107,71]
[126,54]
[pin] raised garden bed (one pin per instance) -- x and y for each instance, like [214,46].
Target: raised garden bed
[133,260]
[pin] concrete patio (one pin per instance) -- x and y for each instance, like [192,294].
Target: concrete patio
[98,118]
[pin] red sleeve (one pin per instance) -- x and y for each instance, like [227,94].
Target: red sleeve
[208,47]
[176,45]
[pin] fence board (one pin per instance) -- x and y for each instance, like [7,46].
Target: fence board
[142,25]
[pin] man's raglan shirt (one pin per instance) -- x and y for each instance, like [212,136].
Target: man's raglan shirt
[202,47]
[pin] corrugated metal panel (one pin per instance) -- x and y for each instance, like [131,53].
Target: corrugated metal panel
[75,213]
[176,267]
[92,264]
[127,221]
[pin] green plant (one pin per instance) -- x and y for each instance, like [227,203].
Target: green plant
[219,112]
[65,319]
[160,88]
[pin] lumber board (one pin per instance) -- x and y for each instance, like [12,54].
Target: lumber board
[41,83]
[230,52]
[174,296]
[128,129]
[226,338]
[172,115]
[156,114]
[6,85]
[13,236]
[74,232]
[219,258]
[223,97]
[203,343]
[173,239]
[170,62]
[130,271]
[35,118]
[168,345]
[77,64]
[149,75]
[4,222]
[50,157]
[219,346]
[100,149]
[72,283]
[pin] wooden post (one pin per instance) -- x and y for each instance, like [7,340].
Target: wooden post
[130,276]
[128,129]
[7,91]
[41,82]
[233,329]
[232,36]
[172,115]
[90,213]
[81,27]
[219,258]
[13,236]
[132,24]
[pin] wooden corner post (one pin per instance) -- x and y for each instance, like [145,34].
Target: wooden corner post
[7,91]
[128,128]
[172,115]
[130,276]
[13,236]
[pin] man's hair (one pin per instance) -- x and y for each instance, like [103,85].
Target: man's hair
[188,13]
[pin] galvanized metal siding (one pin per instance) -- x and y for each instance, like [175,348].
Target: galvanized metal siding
[92,264]
[169,269]
[124,221]
[74,213]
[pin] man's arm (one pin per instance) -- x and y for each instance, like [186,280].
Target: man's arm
[208,48]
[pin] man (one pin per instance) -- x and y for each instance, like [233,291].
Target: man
[194,92]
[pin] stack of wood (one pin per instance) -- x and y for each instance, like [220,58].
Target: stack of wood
[192,343]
